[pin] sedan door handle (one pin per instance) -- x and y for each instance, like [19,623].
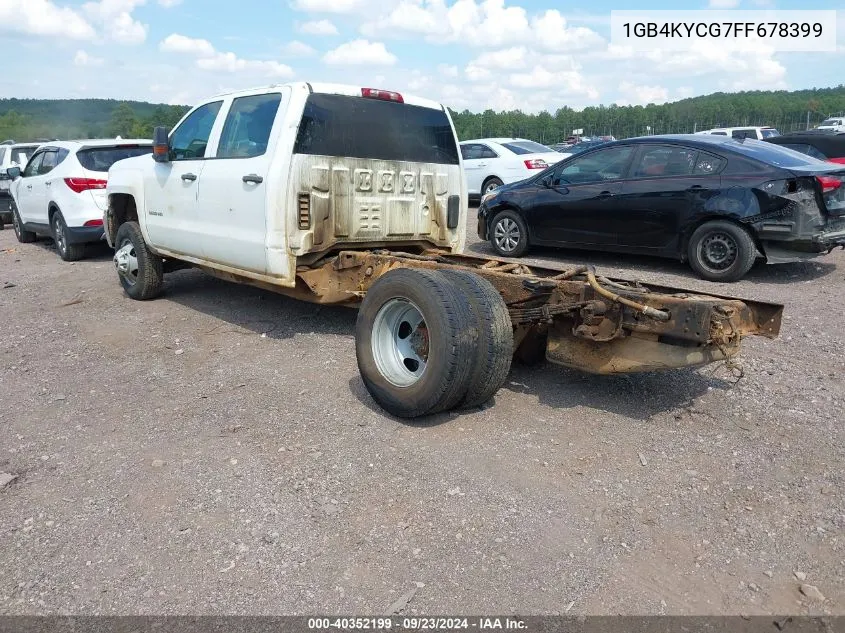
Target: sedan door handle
[253,178]
[189,177]
[695,188]
[605,194]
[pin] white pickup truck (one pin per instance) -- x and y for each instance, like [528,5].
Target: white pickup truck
[356,196]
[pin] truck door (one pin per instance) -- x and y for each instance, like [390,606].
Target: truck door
[234,187]
[172,220]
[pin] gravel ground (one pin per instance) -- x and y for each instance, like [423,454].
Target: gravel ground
[215,451]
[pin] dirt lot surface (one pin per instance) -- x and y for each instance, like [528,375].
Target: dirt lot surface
[215,451]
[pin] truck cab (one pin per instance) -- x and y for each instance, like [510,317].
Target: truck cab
[260,181]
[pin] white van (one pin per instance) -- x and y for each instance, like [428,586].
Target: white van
[759,133]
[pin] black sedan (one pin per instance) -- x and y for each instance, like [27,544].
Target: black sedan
[718,203]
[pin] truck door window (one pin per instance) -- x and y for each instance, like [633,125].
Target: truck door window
[248,125]
[189,140]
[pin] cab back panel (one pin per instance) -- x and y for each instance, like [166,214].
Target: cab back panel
[355,200]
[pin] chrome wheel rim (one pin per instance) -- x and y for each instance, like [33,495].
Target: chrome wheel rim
[400,342]
[59,234]
[506,235]
[718,251]
[126,262]
[491,186]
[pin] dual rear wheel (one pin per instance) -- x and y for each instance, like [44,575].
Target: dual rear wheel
[429,341]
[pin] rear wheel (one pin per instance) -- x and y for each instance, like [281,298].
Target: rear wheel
[67,251]
[492,361]
[508,234]
[490,184]
[415,341]
[24,236]
[721,251]
[139,269]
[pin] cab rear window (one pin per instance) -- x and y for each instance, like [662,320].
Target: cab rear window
[356,127]
[102,158]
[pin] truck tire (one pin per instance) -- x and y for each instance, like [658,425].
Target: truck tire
[721,251]
[508,234]
[415,341]
[24,236]
[492,362]
[140,271]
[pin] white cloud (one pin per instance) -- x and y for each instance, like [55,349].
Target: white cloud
[169,3]
[176,43]
[42,17]
[318,27]
[723,4]
[210,59]
[634,94]
[447,70]
[489,24]
[84,59]
[553,34]
[295,48]
[229,62]
[329,6]
[115,18]
[359,52]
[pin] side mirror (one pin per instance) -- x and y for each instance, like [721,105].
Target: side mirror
[13,172]
[547,181]
[161,145]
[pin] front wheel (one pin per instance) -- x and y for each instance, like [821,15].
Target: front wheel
[721,251]
[508,234]
[490,184]
[141,271]
[24,236]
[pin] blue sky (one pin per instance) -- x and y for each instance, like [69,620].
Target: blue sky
[501,54]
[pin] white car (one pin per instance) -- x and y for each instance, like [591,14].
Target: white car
[493,162]
[837,124]
[61,193]
[11,155]
[757,132]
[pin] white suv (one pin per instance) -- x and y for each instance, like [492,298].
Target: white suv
[61,193]
[759,133]
[11,155]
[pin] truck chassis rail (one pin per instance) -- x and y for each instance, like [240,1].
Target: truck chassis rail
[569,317]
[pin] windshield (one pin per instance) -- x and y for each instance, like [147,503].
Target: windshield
[527,147]
[102,158]
[770,132]
[831,123]
[356,127]
[776,155]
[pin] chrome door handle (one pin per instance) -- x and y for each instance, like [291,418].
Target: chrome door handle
[189,177]
[605,194]
[253,178]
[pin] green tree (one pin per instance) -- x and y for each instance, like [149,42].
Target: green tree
[123,121]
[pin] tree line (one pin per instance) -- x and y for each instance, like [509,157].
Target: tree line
[32,119]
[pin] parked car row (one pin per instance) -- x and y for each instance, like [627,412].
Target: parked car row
[713,200]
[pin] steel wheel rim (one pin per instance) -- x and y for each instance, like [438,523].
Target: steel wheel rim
[59,234]
[490,187]
[400,342]
[126,262]
[506,235]
[718,251]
